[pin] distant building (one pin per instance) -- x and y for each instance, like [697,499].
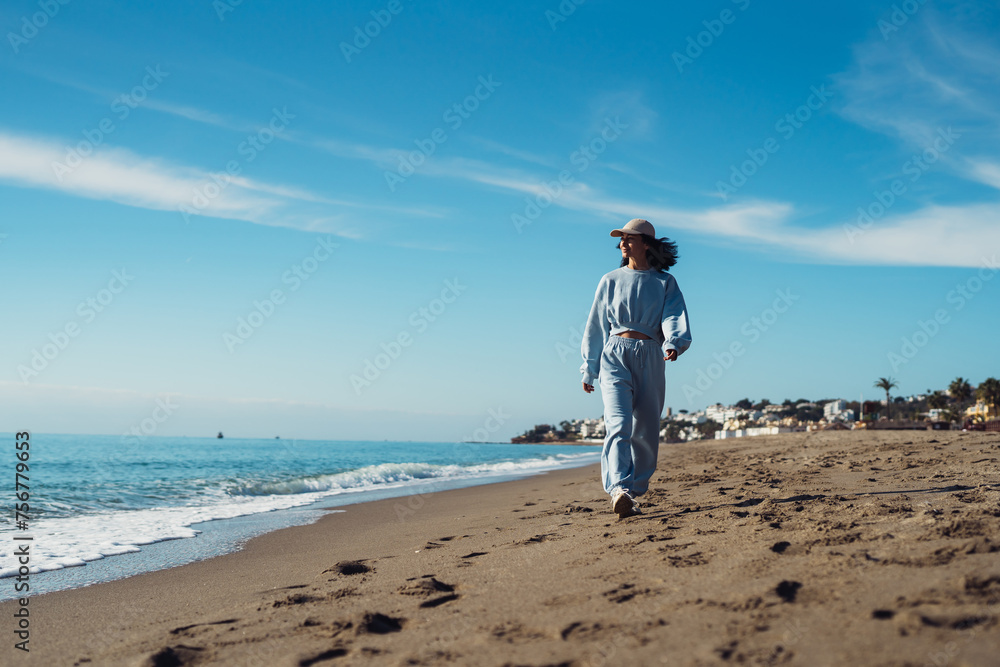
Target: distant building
[836,411]
[691,418]
[981,411]
[592,428]
[833,408]
[754,431]
[722,413]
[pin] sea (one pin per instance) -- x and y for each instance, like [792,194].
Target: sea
[105,507]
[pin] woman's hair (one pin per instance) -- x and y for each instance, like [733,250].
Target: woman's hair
[660,253]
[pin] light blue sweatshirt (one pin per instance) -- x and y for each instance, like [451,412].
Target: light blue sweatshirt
[645,301]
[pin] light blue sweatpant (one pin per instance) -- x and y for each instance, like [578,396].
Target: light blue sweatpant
[632,386]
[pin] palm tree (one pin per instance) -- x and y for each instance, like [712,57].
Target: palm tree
[886,384]
[989,392]
[960,391]
[937,400]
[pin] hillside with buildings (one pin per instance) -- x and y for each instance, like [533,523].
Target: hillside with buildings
[961,406]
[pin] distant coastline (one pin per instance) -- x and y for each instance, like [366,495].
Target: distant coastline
[593,443]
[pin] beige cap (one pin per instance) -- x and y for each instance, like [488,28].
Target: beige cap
[636,226]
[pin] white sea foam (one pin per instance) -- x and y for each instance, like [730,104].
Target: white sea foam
[71,542]
[394,473]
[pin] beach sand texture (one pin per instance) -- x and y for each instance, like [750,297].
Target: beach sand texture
[826,548]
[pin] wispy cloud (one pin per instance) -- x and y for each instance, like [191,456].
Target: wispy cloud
[934,236]
[199,115]
[938,71]
[123,177]
[384,158]
[630,106]
[186,111]
[985,171]
[516,153]
[118,175]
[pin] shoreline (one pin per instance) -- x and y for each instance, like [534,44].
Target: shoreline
[222,536]
[764,550]
[590,443]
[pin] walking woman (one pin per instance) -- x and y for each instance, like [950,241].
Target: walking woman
[637,322]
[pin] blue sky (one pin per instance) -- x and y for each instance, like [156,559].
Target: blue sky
[439,191]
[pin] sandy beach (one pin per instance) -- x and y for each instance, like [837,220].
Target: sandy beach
[837,548]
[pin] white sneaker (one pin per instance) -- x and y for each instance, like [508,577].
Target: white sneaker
[623,504]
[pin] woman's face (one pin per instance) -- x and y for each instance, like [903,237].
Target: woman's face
[633,245]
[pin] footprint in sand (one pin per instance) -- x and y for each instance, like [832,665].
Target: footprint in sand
[426,586]
[349,567]
[338,652]
[184,629]
[515,633]
[379,624]
[176,655]
[688,560]
[625,592]
[437,602]
[580,631]
[298,598]
[788,590]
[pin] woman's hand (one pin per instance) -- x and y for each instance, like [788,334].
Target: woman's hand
[671,355]
[589,388]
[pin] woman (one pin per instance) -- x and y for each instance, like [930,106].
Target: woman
[638,312]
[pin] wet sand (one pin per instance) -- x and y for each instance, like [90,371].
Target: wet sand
[836,548]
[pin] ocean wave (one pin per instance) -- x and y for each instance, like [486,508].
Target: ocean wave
[73,541]
[374,476]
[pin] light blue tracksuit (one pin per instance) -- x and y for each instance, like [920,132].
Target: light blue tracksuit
[631,370]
